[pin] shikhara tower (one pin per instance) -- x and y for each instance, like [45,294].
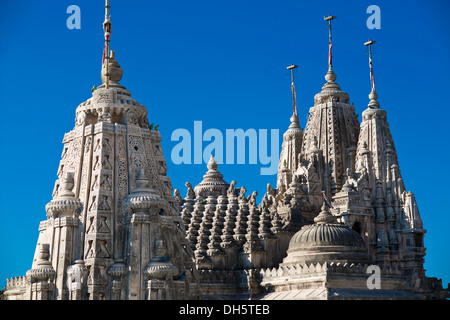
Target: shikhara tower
[115,231]
[112,229]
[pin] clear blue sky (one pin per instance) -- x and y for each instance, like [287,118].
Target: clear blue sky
[222,63]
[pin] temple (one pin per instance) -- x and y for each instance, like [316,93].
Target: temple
[339,214]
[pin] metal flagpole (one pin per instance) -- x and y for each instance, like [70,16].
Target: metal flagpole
[330,45]
[294,102]
[372,79]
[107,31]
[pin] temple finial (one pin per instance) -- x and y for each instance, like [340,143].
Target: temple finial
[325,216]
[111,71]
[212,164]
[330,76]
[373,95]
[106,54]
[294,118]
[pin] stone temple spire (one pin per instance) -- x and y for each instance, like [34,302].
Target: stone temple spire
[112,216]
[292,142]
[375,135]
[334,123]
[396,212]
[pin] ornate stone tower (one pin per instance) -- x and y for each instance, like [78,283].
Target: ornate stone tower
[397,230]
[113,229]
[292,143]
[332,127]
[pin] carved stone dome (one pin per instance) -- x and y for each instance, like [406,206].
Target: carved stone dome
[326,235]
[212,181]
[326,241]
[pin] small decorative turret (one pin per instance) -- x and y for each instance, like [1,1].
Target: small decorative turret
[204,231]
[142,198]
[230,220]
[212,181]
[292,142]
[42,276]
[188,206]
[65,203]
[43,271]
[218,223]
[325,216]
[252,243]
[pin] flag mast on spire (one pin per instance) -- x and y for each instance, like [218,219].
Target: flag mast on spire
[372,79]
[294,102]
[107,31]
[330,45]
[373,95]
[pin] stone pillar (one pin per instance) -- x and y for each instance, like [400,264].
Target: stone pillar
[160,272]
[138,252]
[118,273]
[156,289]
[142,206]
[179,290]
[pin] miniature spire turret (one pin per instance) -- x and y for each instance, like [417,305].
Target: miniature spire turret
[292,141]
[212,181]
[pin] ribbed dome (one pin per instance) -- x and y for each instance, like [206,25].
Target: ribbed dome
[325,241]
[326,234]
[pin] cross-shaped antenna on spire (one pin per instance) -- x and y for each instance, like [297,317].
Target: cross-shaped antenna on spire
[292,67]
[329,19]
[372,79]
